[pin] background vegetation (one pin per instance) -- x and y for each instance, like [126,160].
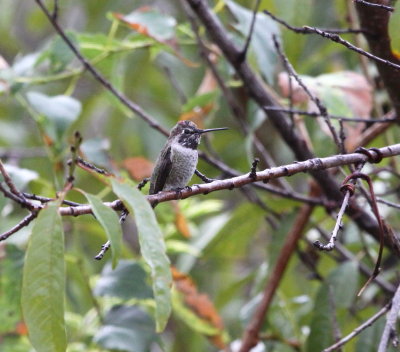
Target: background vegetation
[224,246]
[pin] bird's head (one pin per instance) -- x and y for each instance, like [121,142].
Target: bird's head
[188,135]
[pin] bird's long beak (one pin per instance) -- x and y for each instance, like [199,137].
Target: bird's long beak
[212,129]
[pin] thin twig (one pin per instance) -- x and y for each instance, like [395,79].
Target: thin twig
[301,30]
[342,136]
[351,18]
[235,108]
[253,170]
[239,181]
[386,202]
[333,117]
[251,335]
[73,161]
[380,6]
[338,226]
[359,329]
[23,223]
[11,196]
[257,92]
[321,108]
[337,39]
[251,30]
[54,15]
[47,199]
[348,255]
[88,166]
[203,177]
[9,182]
[99,77]
[143,183]
[181,94]
[389,332]
[374,206]
[106,246]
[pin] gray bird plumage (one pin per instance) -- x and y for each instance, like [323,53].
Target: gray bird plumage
[177,160]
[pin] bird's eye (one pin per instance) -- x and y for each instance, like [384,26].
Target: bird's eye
[186,131]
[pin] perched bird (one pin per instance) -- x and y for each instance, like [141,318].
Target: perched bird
[177,160]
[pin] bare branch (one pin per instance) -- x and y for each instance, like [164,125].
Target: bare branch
[249,36]
[358,330]
[236,109]
[54,15]
[347,255]
[99,77]
[338,226]
[280,121]
[376,22]
[380,6]
[24,222]
[322,109]
[251,335]
[337,39]
[389,332]
[302,30]
[333,117]
[240,181]
[9,182]
[386,202]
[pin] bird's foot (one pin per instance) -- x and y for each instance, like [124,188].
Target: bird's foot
[178,192]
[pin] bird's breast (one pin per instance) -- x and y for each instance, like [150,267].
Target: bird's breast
[184,162]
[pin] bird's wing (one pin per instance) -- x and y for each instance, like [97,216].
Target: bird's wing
[162,171]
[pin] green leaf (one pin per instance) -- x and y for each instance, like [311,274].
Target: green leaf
[199,101]
[59,54]
[126,329]
[152,247]
[151,22]
[60,112]
[394,33]
[44,281]
[261,41]
[10,288]
[127,281]
[232,240]
[344,283]
[339,291]
[321,323]
[110,222]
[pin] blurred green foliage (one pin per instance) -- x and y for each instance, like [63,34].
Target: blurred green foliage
[45,95]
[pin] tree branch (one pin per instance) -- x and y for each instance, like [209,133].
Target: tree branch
[389,332]
[99,77]
[358,330]
[293,139]
[376,23]
[24,222]
[240,181]
[251,335]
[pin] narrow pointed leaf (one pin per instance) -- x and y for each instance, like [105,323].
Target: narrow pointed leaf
[43,283]
[110,222]
[152,247]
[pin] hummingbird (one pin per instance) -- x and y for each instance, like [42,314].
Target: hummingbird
[177,160]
